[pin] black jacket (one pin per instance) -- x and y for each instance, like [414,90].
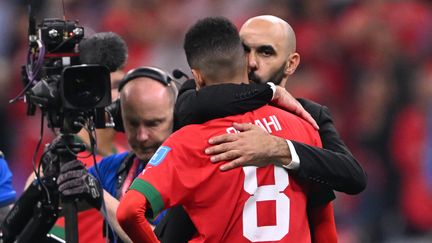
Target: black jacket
[334,165]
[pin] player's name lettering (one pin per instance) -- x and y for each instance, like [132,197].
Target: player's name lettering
[270,124]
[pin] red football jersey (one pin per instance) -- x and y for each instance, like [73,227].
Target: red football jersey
[248,204]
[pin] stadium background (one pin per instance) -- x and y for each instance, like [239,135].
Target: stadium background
[369,61]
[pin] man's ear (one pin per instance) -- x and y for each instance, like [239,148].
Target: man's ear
[199,81]
[293,62]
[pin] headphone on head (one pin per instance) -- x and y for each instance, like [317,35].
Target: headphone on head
[147,72]
[144,71]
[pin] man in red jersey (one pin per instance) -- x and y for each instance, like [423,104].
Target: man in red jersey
[247,204]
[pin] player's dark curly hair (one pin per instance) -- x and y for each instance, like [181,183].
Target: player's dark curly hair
[213,46]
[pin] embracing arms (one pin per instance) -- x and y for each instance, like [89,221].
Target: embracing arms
[334,165]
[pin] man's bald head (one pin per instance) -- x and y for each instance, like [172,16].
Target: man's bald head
[145,88]
[273,27]
[270,44]
[147,107]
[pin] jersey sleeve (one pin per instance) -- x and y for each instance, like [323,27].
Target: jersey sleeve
[322,224]
[174,172]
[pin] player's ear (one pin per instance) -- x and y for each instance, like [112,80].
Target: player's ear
[199,81]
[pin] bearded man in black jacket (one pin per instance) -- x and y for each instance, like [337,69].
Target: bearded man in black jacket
[270,46]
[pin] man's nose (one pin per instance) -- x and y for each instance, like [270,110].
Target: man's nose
[142,134]
[252,61]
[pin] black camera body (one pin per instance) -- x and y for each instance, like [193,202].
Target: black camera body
[65,89]
[72,96]
[54,31]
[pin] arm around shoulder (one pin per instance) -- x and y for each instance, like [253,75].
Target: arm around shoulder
[217,101]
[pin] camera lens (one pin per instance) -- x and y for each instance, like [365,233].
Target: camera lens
[86,87]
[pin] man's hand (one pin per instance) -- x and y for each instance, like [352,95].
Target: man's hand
[286,101]
[75,182]
[252,146]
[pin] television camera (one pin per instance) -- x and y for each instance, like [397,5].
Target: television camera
[71,96]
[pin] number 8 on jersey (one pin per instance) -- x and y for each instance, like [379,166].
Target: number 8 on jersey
[275,192]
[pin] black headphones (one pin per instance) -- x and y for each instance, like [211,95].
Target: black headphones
[149,72]
[145,71]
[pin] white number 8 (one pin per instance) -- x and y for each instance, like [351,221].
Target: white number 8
[251,230]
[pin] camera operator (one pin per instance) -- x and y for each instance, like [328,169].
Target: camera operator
[147,97]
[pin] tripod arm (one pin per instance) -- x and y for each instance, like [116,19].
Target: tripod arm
[66,150]
[36,211]
[33,215]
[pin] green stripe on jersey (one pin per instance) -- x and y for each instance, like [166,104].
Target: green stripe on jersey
[151,194]
[58,231]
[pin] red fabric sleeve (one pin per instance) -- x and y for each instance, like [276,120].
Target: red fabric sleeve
[323,224]
[131,217]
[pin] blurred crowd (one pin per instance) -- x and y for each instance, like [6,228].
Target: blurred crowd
[369,61]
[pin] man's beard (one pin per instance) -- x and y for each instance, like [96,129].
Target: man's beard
[276,78]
